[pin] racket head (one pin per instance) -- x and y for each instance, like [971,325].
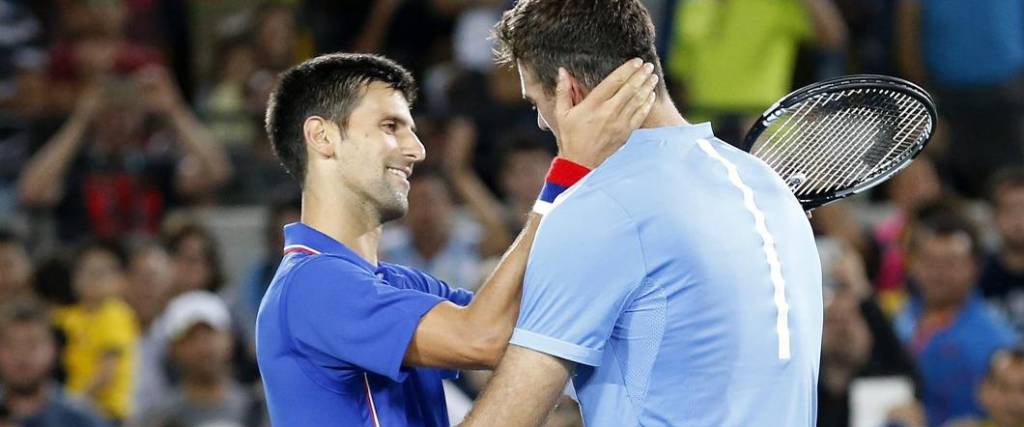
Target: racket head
[842,136]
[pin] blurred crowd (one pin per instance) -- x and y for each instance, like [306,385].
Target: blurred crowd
[131,135]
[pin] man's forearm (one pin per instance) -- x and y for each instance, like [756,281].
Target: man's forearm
[828,24]
[202,146]
[487,210]
[41,183]
[475,336]
[523,391]
[496,306]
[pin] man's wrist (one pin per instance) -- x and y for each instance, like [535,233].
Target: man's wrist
[563,174]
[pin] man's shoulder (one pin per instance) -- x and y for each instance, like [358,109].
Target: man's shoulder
[585,209]
[320,265]
[404,272]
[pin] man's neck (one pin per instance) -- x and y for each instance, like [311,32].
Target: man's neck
[357,227]
[938,314]
[663,114]
[27,404]
[211,390]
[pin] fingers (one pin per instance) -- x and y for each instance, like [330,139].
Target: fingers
[638,82]
[642,100]
[640,114]
[611,84]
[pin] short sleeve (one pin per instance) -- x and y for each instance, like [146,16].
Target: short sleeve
[340,315]
[415,279]
[585,262]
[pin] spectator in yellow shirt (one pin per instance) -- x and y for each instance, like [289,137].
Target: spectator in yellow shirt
[734,58]
[101,332]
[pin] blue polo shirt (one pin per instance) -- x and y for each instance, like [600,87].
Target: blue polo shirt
[682,277]
[331,334]
[954,360]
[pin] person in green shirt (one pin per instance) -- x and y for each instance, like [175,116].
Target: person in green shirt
[733,58]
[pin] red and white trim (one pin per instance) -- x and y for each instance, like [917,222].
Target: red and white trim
[300,249]
[369,398]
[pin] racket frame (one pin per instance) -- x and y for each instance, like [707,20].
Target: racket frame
[843,83]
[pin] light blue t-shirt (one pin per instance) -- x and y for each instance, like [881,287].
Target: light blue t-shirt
[682,278]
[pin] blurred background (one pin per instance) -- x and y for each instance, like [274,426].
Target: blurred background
[141,206]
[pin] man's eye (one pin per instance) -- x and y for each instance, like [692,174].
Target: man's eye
[391,127]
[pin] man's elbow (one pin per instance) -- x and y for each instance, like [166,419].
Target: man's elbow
[487,348]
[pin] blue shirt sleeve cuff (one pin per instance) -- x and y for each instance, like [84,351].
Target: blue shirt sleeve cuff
[556,347]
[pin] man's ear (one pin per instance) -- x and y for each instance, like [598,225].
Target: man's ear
[576,90]
[320,134]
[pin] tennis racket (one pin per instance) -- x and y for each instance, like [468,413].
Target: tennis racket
[842,136]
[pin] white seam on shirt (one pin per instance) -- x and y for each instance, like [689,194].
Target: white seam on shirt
[369,396]
[314,251]
[770,254]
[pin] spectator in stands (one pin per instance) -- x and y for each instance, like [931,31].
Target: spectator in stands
[101,332]
[233,107]
[262,271]
[196,256]
[1002,277]
[198,328]
[22,59]
[735,58]
[972,55]
[434,236]
[104,173]
[225,108]
[15,268]
[1002,391]
[197,259]
[858,341]
[948,328]
[524,162]
[93,44]
[30,397]
[915,186]
[150,282]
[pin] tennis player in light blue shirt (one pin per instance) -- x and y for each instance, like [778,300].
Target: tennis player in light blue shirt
[682,280]
[677,284]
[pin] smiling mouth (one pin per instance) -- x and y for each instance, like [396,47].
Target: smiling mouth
[402,173]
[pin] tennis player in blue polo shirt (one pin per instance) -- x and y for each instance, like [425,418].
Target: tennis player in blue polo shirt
[678,283]
[343,339]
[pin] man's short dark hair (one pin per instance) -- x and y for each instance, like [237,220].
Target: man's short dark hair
[590,38]
[22,311]
[329,86]
[1005,179]
[945,217]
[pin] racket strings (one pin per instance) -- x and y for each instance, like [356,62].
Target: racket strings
[871,135]
[836,140]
